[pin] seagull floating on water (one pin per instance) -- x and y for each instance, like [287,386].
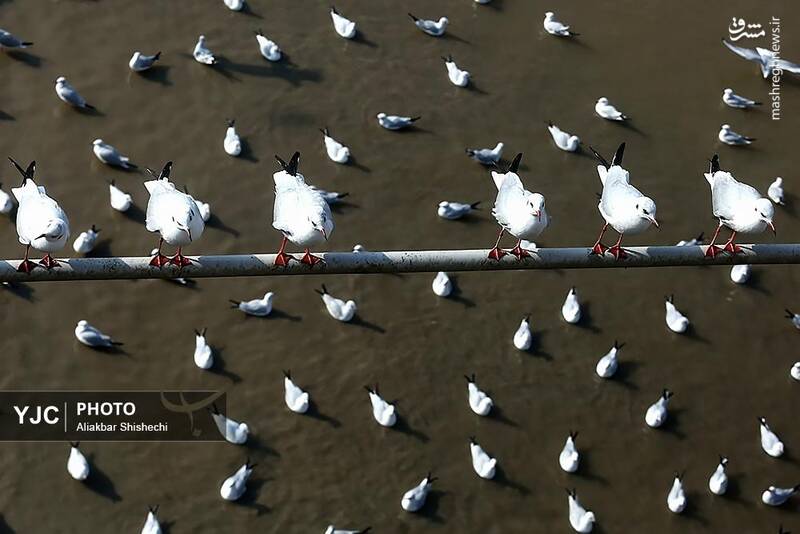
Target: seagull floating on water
[344,27]
[770,442]
[740,273]
[676,321]
[458,77]
[68,94]
[718,483]
[571,309]
[6,202]
[486,156]
[41,223]
[676,499]
[479,401]
[234,5]
[580,519]
[110,155]
[442,286]
[119,199]
[603,108]
[484,465]
[269,49]
[233,431]
[562,139]
[203,355]
[455,210]
[775,191]
[11,42]
[235,485]
[337,308]
[337,152]
[203,54]
[383,412]
[767,60]
[736,101]
[296,399]
[414,499]
[774,496]
[86,241]
[523,337]
[794,372]
[554,27]
[608,364]
[256,307]
[569,458]
[738,206]
[151,524]
[729,137]
[395,122]
[435,28]
[77,464]
[657,413]
[140,62]
[92,337]
[232,143]
[333,530]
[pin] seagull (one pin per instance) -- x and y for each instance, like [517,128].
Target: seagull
[330,197]
[236,484]
[203,207]
[344,27]
[86,241]
[6,202]
[41,223]
[300,213]
[562,139]
[92,337]
[140,62]
[77,464]
[202,54]
[571,309]
[518,211]
[269,49]
[775,191]
[442,286]
[729,137]
[256,307]
[554,27]
[607,111]
[151,524]
[718,483]
[736,101]
[337,152]
[458,77]
[174,215]
[794,372]
[431,27]
[383,412]
[233,431]
[296,399]
[234,5]
[657,412]
[232,143]
[777,496]
[333,530]
[110,155]
[337,308]
[580,519]
[738,206]
[414,499]
[483,464]
[455,210]
[622,206]
[691,242]
[395,122]
[203,355]
[479,402]
[120,200]
[676,499]
[486,156]
[767,60]
[68,94]
[740,273]
[10,41]
[608,364]
[676,321]
[523,337]
[569,458]
[795,317]
[770,442]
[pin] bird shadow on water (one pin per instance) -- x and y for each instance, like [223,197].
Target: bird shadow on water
[5,528]
[673,423]
[219,366]
[247,153]
[456,295]
[585,322]
[157,74]
[353,162]
[247,10]
[360,38]
[215,222]
[254,443]
[585,469]
[691,511]
[283,69]
[280,314]
[734,492]
[358,321]
[29,59]
[536,347]
[250,497]
[497,415]
[625,368]
[100,483]
[101,250]
[431,509]
[756,283]
[402,426]
[502,479]
[314,413]
[21,290]
[135,214]
[629,125]
[6,117]
[449,36]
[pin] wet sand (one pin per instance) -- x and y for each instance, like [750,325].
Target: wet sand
[340,467]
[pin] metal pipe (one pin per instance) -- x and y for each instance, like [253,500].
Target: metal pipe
[416,261]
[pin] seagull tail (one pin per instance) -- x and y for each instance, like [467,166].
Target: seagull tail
[602,160]
[415,19]
[129,165]
[27,43]
[27,174]
[324,131]
[756,103]
[234,303]
[342,195]
[474,205]
[364,531]
[117,343]
[574,34]
[789,313]
[89,106]
[750,138]
[415,119]
[157,56]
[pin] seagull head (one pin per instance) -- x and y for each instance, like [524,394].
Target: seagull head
[381,116]
[549,15]
[646,209]
[444,20]
[728,91]
[536,204]
[55,230]
[725,127]
[60,80]
[97,142]
[602,100]
[765,211]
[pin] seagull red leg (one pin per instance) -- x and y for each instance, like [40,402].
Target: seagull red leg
[26,265]
[713,249]
[496,253]
[598,247]
[730,246]
[282,258]
[159,260]
[310,260]
[49,262]
[520,252]
[617,251]
[180,260]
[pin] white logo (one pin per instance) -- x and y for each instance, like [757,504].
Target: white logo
[739,28]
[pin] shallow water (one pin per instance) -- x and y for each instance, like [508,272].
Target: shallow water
[664,66]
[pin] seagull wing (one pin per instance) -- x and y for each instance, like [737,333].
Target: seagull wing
[728,195]
[510,199]
[616,190]
[747,53]
[786,65]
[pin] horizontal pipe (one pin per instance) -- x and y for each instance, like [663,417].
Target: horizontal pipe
[417,261]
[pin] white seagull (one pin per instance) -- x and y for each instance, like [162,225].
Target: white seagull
[203,207]
[431,27]
[174,215]
[775,191]
[296,399]
[300,213]
[236,484]
[203,355]
[562,139]
[767,60]
[68,94]
[269,49]
[92,337]
[41,223]
[657,413]
[9,41]
[256,307]
[523,337]
[773,496]
[110,155]
[676,321]
[580,519]
[232,142]
[486,156]
[151,524]
[234,5]
[337,308]
[622,206]
[77,464]
[740,273]
[414,499]
[458,77]
[571,309]
[233,431]
[344,27]
[736,101]
[603,108]
[333,530]
[203,54]
[518,211]
[770,442]
[6,202]
[484,465]
[608,364]
[119,199]
[140,62]
[729,137]
[794,372]
[554,27]
[569,458]
[676,498]
[691,242]
[330,197]
[479,402]
[395,122]
[794,317]
[441,285]
[86,241]
[383,412]
[718,483]
[738,206]
[337,152]
[455,210]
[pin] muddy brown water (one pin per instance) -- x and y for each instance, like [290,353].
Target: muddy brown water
[661,62]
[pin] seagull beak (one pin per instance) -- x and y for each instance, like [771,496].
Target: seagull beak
[41,236]
[772,227]
[653,220]
[324,233]
[537,214]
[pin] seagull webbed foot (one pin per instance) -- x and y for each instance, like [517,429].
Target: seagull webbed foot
[598,249]
[180,260]
[496,253]
[519,252]
[159,260]
[618,252]
[732,247]
[49,262]
[26,266]
[282,259]
[712,251]
[311,260]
